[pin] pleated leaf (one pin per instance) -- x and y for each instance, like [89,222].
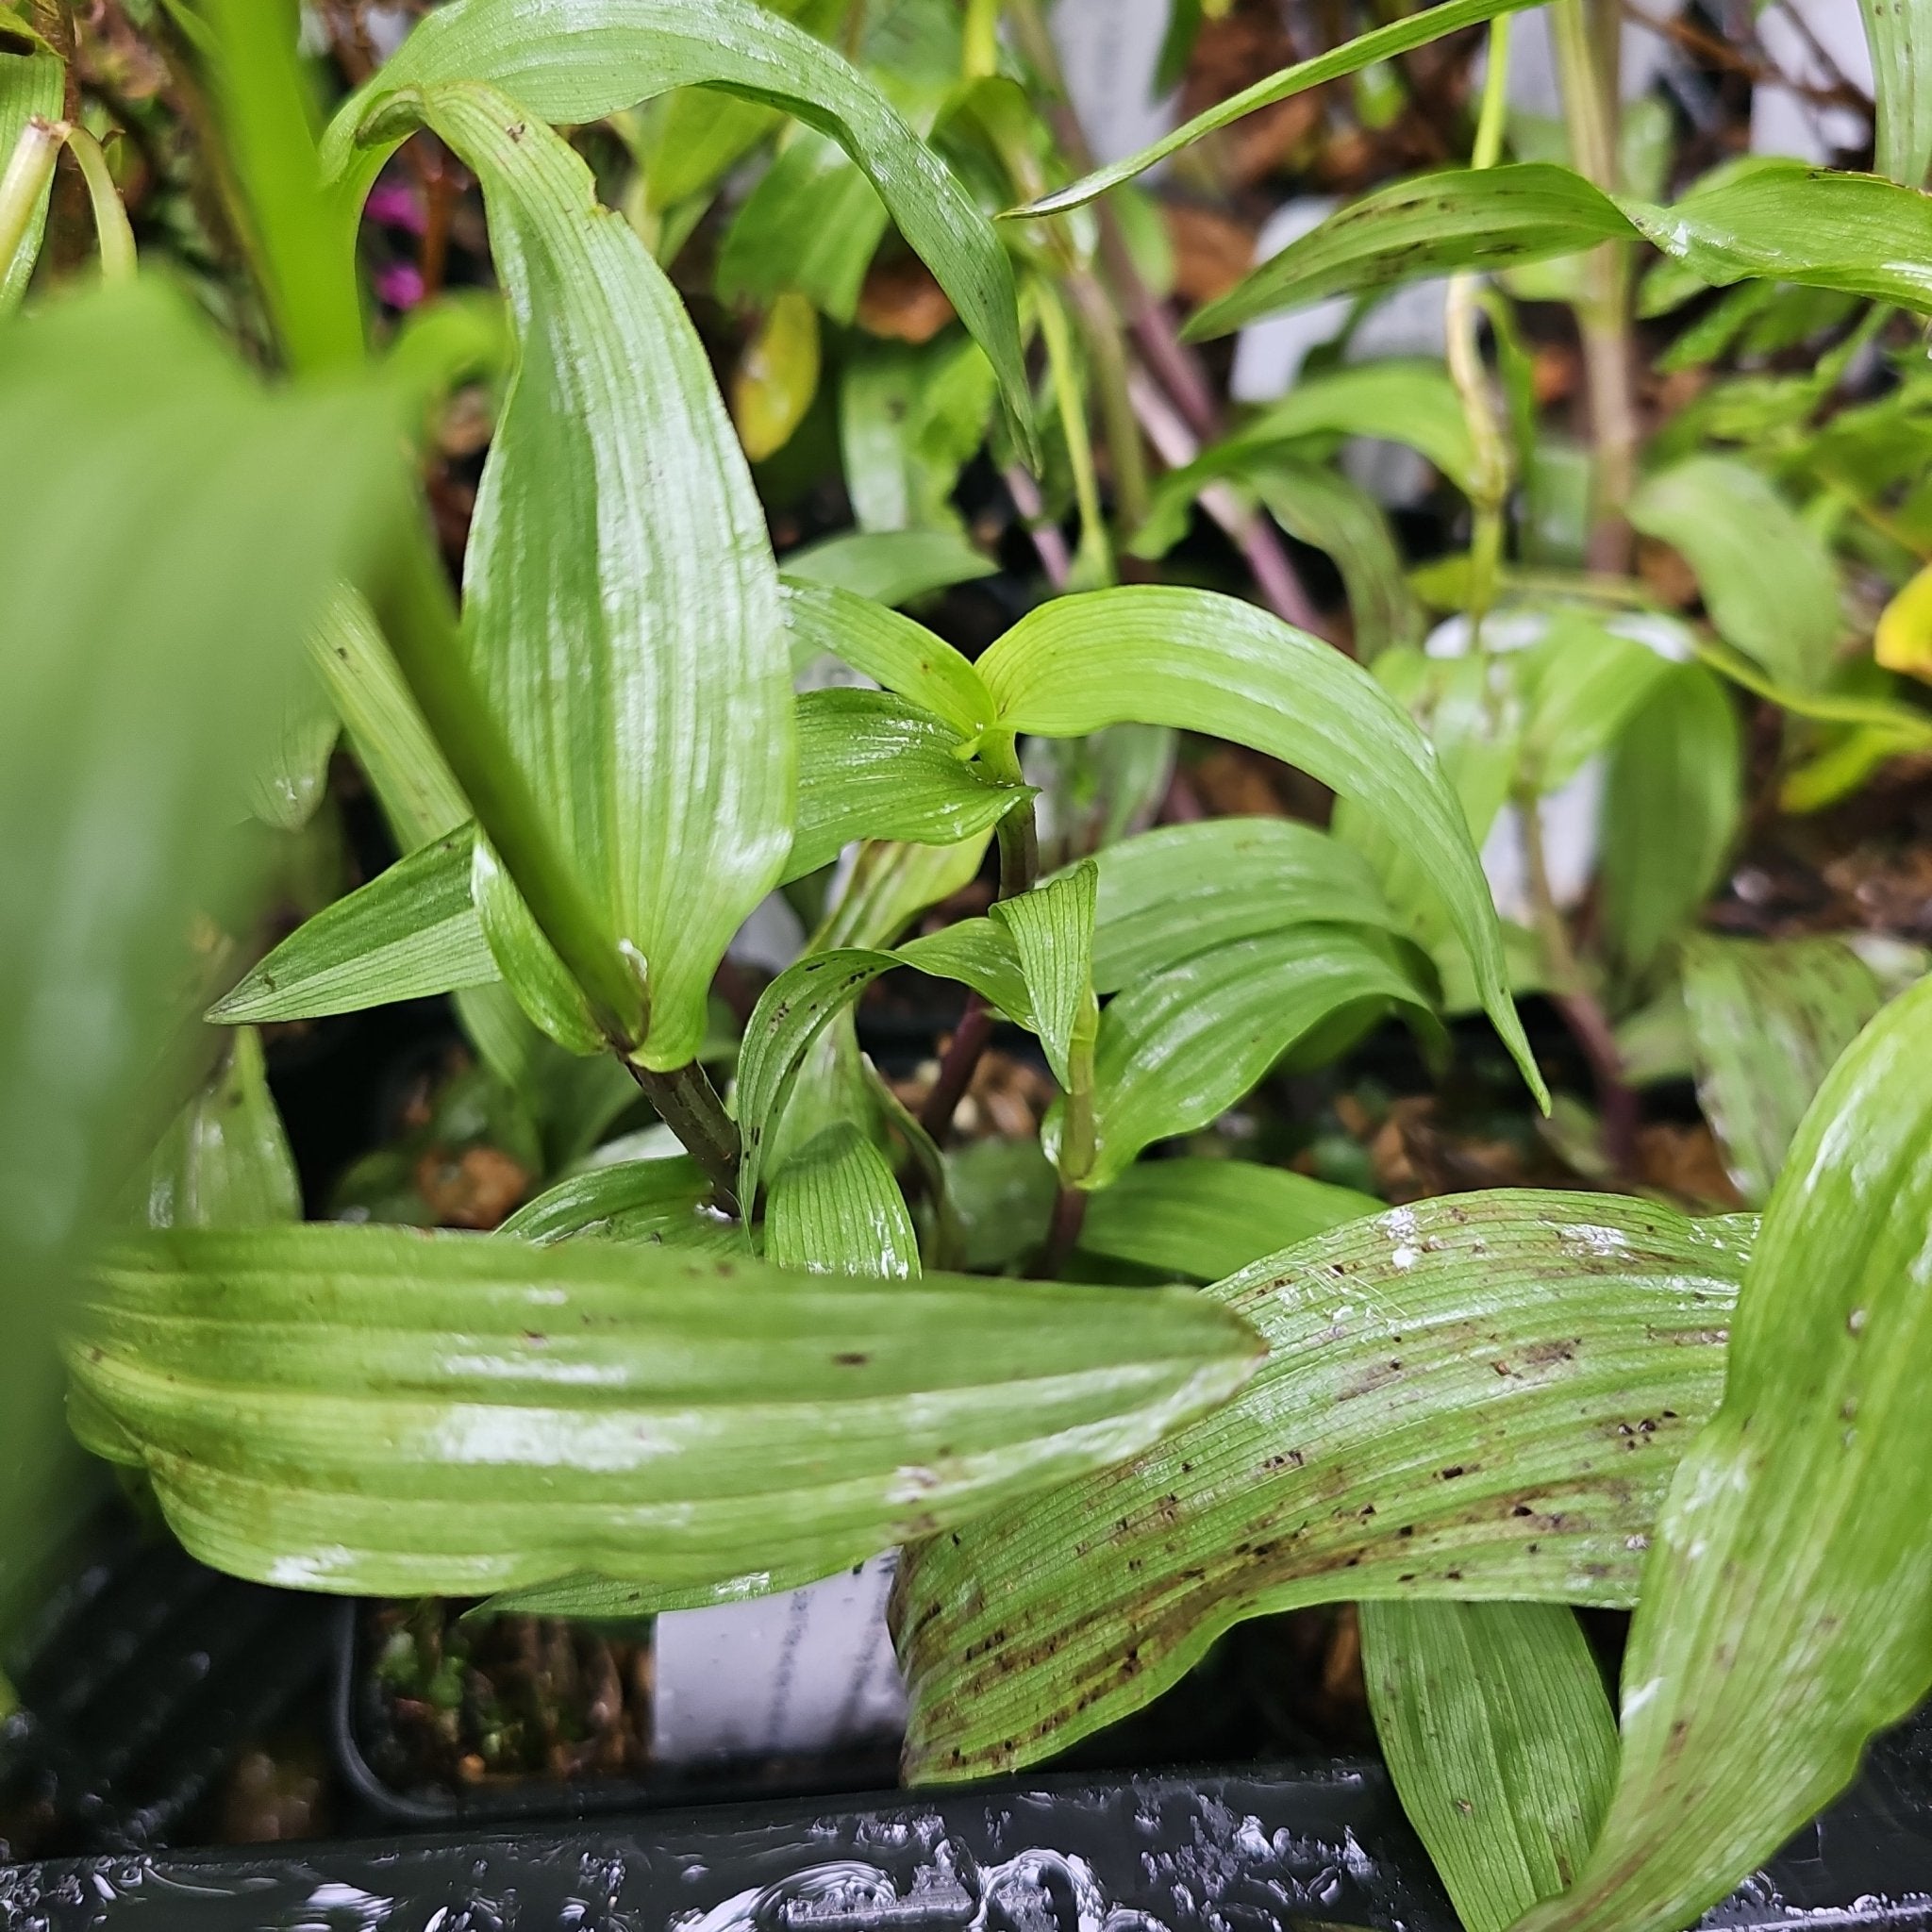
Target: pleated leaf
[1177,1049]
[620,601]
[645,1202]
[1500,1739]
[409,933]
[224,1161]
[874,766]
[1198,1220]
[1161,655]
[1786,1612]
[891,649]
[367,1409]
[836,1209]
[1474,1397]
[1900,33]
[570,62]
[1052,932]
[1768,1020]
[1168,895]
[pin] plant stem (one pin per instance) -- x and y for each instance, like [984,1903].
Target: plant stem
[111,228]
[29,168]
[689,1105]
[1585,50]
[1062,1235]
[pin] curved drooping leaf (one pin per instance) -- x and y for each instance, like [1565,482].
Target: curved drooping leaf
[891,885]
[872,766]
[409,933]
[835,1208]
[1672,801]
[1500,1741]
[32,82]
[622,606]
[1177,1049]
[1462,218]
[1900,33]
[365,1410]
[890,567]
[1767,577]
[1475,1397]
[1052,932]
[1383,44]
[665,1202]
[576,61]
[224,1161]
[1786,1612]
[891,649]
[1200,1220]
[1181,889]
[1768,1020]
[1160,655]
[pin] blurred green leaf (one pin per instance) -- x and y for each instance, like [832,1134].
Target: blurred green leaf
[889,567]
[1480,1396]
[891,649]
[1500,1741]
[1786,1612]
[32,84]
[468,1413]
[1168,895]
[611,54]
[777,377]
[874,766]
[909,421]
[1768,580]
[622,617]
[1581,688]
[810,226]
[1176,1050]
[1768,1019]
[224,1161]
[646,1203]
[1198,1220]
[289,789]
[835,1208]
[1167,655]
[1673,799]
[409,933]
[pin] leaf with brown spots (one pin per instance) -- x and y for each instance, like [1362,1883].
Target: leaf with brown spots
[1479,1369]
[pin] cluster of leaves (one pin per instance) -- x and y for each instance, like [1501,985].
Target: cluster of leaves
[752,1349]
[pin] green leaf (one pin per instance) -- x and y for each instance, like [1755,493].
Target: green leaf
[409,933]
[1768,1019]
[1168,895]
[1161,655]
[1899,32]
[645,1202]
[224,1161]
[1581,687]
[1768,580]
[909,421]
[891,885]
[603,55]
[1429,225]
[1177,1049]
[1672,798]
[979,952]
[777,377]
[872,766]
[622,615]
[1500,1741]
[812,225]
[289,789]
[893,650]
[366,1409]
[32,84]
[1786,1613]
[836,1209]
[890,567]
[1474,1397]
[1052,930]
[1383,44]
[1198,1220]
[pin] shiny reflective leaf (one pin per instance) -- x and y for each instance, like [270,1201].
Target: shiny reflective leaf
[1198,1220]
[1052,930]
[1177,1049]
[1672,801]
[289,789]
[1767,578]
[1768,1019]
[577,61]
[1786,1612]
[893,650]
[620,603]
[890,567]
[835,1208]
[369,1409]
[872,766]
[1182,889]
[224,1161]
[665,1202]
[409,933]
[1167,655]
[1474,1397]
[1500,1741]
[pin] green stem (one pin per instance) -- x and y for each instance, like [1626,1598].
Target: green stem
[118,261]
[1095,550]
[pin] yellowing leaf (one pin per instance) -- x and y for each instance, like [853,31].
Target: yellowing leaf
[777,377]
[1903,641]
